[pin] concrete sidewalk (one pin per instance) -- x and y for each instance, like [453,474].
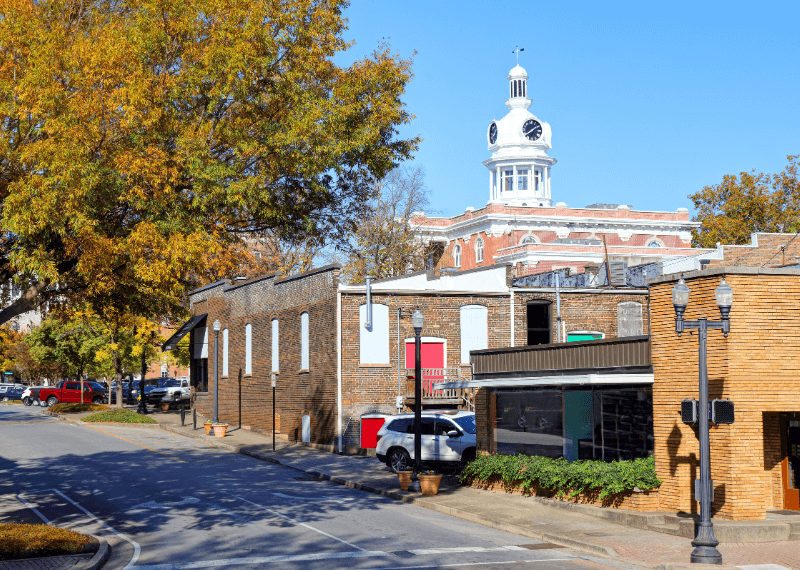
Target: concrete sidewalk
[541,519]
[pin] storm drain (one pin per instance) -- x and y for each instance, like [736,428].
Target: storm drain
[540,546]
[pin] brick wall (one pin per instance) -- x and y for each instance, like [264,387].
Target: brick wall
[765,250]
[247,398]
[756,367]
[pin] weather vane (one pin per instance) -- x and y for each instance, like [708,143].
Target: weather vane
[516,51]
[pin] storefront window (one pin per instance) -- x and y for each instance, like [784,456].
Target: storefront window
[605,423]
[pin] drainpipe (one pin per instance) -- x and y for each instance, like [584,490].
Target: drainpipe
[400,355]
[558,311]
[368,324]
[512,315]
[339,368]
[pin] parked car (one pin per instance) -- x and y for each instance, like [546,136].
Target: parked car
[168,391]
[126,393]
[11,392]
[448,440]
[30,395]
[70,391]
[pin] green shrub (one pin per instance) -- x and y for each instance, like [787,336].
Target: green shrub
[121,416]
[562,477]
[77,407]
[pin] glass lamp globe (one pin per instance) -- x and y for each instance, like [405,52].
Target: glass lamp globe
[724,295]
[680,294]
[417,320]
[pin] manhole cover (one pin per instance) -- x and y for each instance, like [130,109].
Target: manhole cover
[540,546]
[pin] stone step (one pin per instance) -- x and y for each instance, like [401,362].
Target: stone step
[673,529]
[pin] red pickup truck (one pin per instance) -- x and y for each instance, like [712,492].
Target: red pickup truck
[70,391]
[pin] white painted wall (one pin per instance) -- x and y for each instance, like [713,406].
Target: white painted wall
[474,329]
[374,341]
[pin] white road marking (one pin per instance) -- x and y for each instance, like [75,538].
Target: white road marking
[297,522]
[342,555]
[136,548]
[316,499]
[423,551]
[155,505]
[35,510]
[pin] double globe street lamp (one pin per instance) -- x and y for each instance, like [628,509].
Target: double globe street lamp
[705,543]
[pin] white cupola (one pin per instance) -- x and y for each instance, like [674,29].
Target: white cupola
[519,168]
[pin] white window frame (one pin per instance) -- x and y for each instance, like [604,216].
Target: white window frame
[479,250]
[373,343]
[275,346]
[248,348]
[523,178]
[225,352]
[466,347]
[304,356]
[457,255]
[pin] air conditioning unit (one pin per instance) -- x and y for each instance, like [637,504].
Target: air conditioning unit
[616,274]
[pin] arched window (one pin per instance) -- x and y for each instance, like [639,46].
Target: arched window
[275,346]
[225,352]
[457,256]
[304,341]
[479,250]
[528,239]
[655,243]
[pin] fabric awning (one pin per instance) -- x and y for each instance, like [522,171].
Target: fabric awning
[172,342]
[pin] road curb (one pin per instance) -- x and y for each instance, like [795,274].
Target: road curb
[100,557]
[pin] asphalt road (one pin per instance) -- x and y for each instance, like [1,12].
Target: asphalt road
[166,502]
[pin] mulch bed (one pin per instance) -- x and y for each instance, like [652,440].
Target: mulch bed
[19,541]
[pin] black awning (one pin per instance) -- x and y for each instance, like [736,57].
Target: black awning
[173,341]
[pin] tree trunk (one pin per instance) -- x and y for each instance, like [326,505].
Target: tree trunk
[117,378]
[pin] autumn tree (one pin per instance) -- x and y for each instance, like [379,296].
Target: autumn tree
[384,243]
[140,140]
[750,202]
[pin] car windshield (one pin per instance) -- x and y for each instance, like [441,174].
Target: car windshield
[467,423]
[172,384]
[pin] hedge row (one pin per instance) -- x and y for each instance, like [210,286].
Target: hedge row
[562,477]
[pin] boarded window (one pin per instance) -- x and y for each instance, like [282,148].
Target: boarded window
[275,344]
[248,349]
[629,319]
[224,352]
[474,329]
[374,340]
[304,341]
[538,317]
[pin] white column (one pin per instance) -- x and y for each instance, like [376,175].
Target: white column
[547,182]
[499,183]
[491,190]
[515,181]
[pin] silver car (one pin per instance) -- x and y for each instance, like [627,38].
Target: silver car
[448,440]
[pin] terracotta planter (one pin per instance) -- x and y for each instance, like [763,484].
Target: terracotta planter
[220,430]
[207,425]
[429,484]
[405,479]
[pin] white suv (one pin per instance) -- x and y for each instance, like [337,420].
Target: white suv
[448,439]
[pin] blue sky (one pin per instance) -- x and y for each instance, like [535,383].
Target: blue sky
[648,101]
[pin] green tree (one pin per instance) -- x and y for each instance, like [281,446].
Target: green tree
[139,140]
[750,202]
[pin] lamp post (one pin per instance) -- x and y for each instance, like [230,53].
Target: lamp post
[705,543]
[216,326]
[417,320]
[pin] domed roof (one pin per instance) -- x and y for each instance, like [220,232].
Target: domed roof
[518,72]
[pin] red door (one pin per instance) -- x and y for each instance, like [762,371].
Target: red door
[432,356]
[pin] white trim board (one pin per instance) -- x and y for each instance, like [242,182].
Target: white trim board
[579,379]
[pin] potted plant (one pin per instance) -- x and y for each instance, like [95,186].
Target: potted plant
[220,429]
[207,424]
[429,482]
[405,479]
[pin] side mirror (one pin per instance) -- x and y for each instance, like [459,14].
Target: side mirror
[453,433]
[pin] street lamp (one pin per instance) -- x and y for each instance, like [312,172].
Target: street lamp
[216,326]
[705,543]
[417,320]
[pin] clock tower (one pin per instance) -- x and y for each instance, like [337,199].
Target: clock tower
[519,168]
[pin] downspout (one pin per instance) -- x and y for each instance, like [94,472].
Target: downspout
[512,315]
[339,368]
[558,311]
[399,402]
[368,324]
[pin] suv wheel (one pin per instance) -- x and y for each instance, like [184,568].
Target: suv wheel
[398,460]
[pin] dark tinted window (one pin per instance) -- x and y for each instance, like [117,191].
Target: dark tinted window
[72,386]
[467,423]
[400,425]
[427,426]
[444,426]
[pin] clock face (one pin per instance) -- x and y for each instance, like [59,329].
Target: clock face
[532,129]
[493,133]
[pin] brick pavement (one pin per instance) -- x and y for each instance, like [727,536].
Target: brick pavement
[49,563]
